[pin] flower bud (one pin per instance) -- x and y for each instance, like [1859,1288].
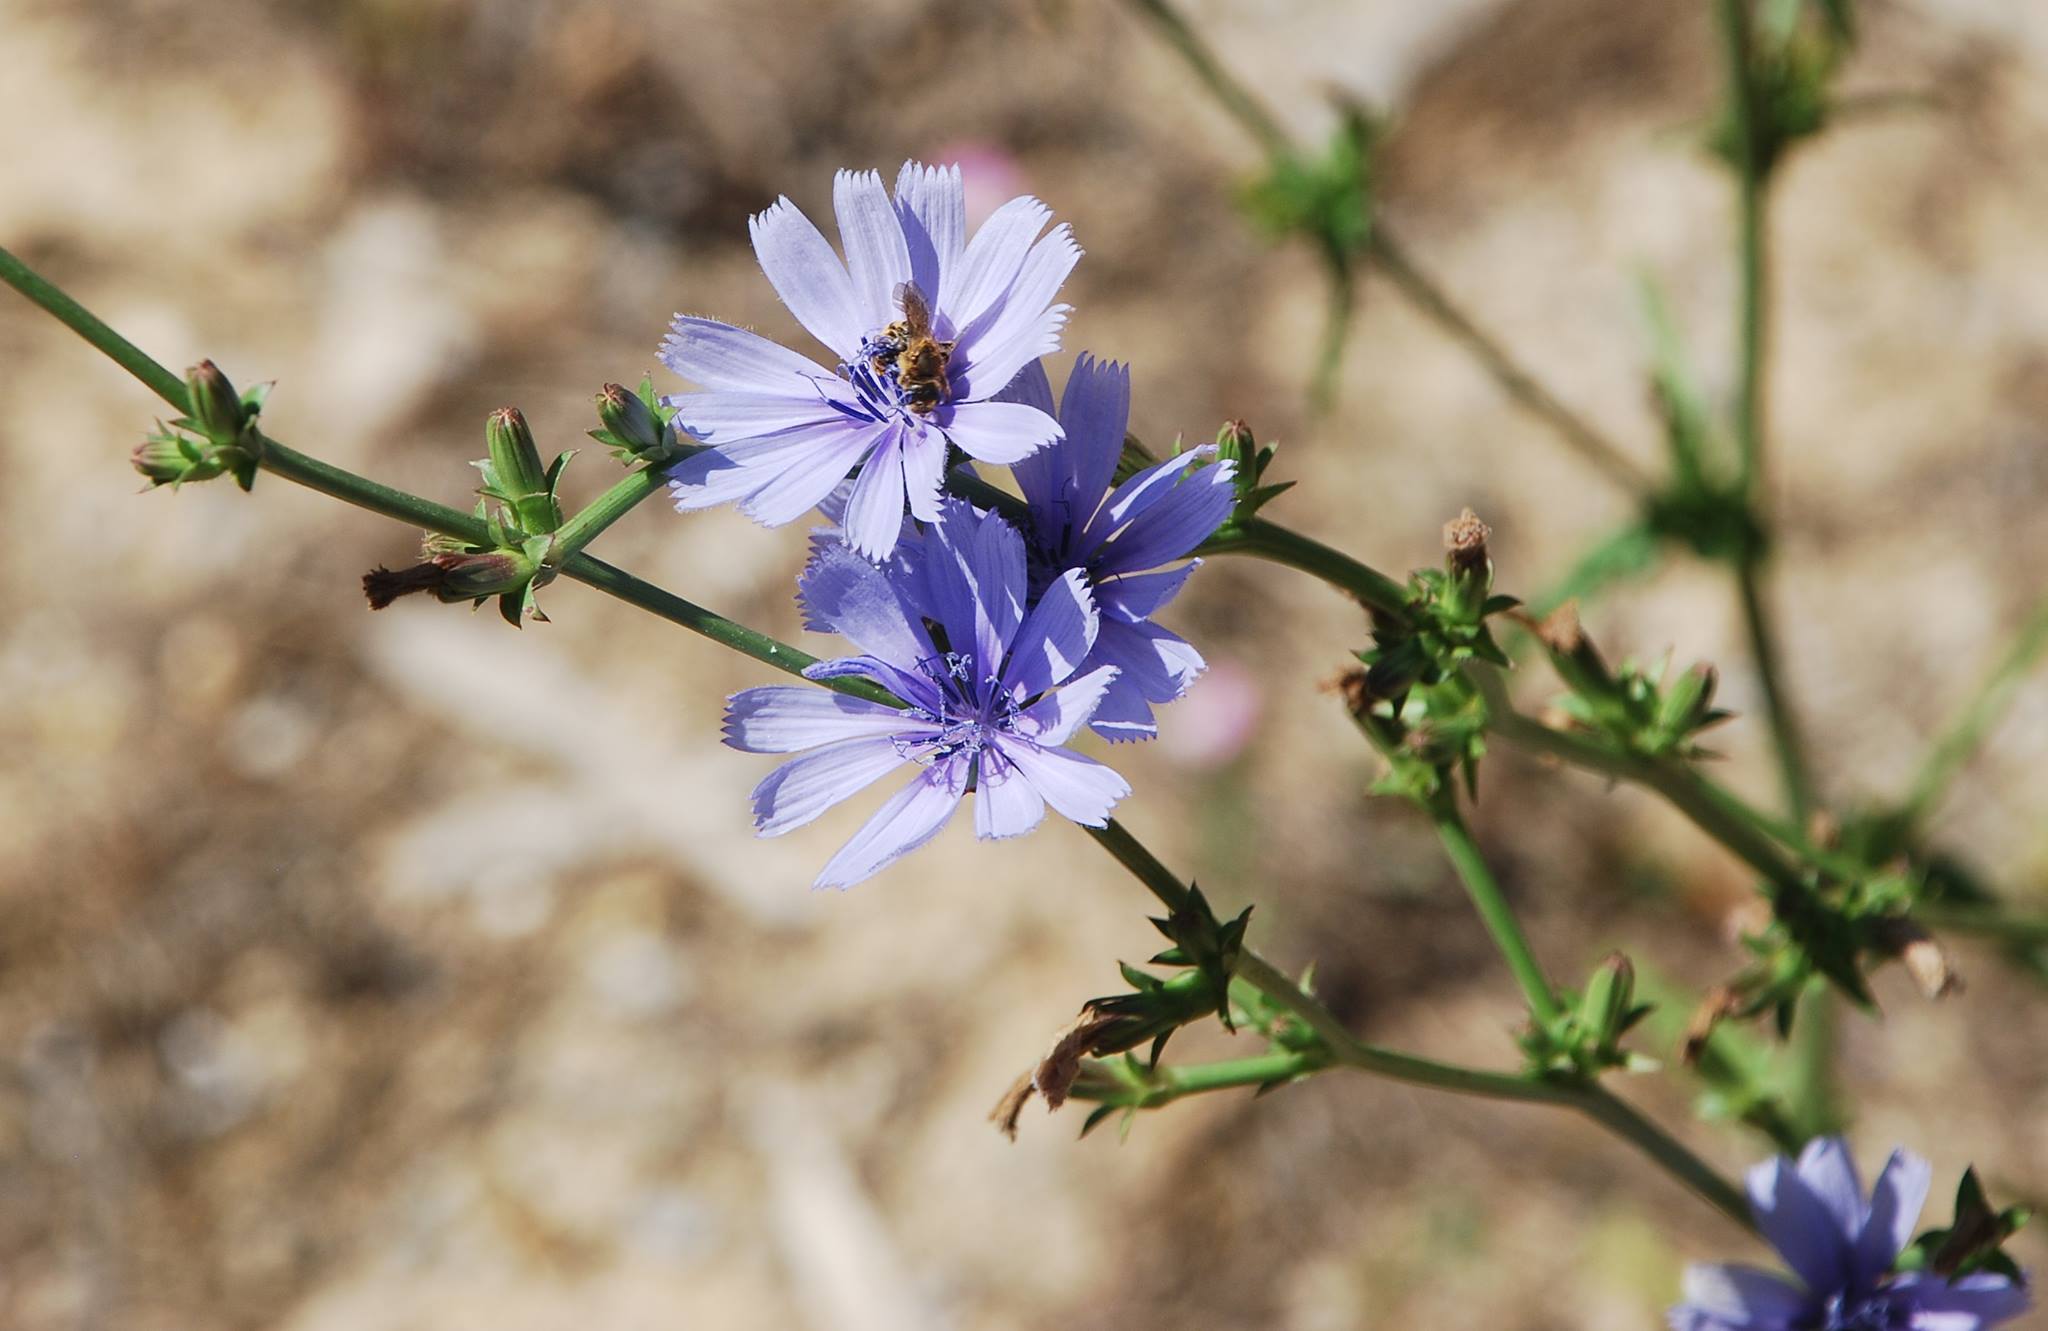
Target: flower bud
[1688,705]
[1465,543]
[216,407]
[1609,999]
[169,458]
[514,475]
[632,423]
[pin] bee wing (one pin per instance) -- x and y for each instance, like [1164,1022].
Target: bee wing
[917,311]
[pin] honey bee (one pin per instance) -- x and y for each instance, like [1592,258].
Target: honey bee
[909,349]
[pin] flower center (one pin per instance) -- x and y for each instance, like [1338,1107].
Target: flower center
[970,707]
[901,369]
[1865,1312]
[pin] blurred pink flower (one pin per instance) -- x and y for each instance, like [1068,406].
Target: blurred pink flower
[993,177]
[1217,718]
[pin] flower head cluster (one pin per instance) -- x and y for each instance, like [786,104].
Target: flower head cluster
[926,324]
[993,690]
[1002,641]
[1843,1249]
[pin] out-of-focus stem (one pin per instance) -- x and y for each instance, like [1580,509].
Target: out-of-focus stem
[1493,907]
[1963,736]
[1521,387]
[1231,95]
[1763,647]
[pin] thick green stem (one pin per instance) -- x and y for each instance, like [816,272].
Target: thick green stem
[606,509]
[1265,540]
[1493,907]
[1521,387]
[1165,1084]
[88,326]
[1961,740]
[1628,1123]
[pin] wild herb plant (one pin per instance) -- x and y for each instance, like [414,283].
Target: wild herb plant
[987,629]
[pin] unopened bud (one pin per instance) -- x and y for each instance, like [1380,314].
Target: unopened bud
[1609,998]
[168,458]
[1234,443]
[514,472]
[1573,655]
[216,407]
[1689,703]
[632,422]
[1465,543]
[452,577]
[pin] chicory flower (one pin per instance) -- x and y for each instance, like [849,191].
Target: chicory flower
[994,694]
[927,326]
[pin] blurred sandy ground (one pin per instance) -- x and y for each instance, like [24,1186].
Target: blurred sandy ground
[406,972]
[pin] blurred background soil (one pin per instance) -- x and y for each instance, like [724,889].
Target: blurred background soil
[401,971]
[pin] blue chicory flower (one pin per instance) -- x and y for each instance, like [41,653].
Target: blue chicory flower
[1842,1250]
[994,693]
[783,430]
[1119,539]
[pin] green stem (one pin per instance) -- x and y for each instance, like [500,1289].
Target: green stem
[1763,646]
[1520,386]
[1233,96]
[606,509]
[1264,540]
[2026,930]
[1749,172]
[1492,906]
[1348,1050]
[88,326]
[1165,1084]
[1969,728]
[1343,293]
[1713,810]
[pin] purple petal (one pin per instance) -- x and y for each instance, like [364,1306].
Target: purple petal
[874,514]
[1738,1297]
[1095,411]
[1041,474]
[785,719]
[1800,1226]
[910,685]
[1000,433]
[736,470]
[1181,517]
[931,204]
[1077,788]
[924,472]
[1054,719]
[1005,804]
[714,417]
[1157,662]
[842,593]
[911,817]
[722,357]
[1024,324]
[808,276]
[1828,1170]
[1894,1208]
[803,788]
[795,489]
[875,251]
[1135,597]
[1054,639]
[995,571]
[992,259]
[1124,717]
[1964,1304]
